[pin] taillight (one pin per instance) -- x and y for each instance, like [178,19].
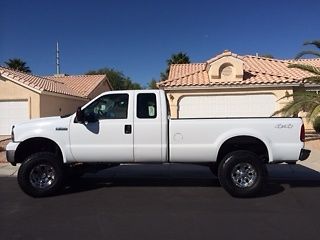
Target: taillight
[302,133]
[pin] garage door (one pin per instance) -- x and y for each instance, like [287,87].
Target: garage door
[262,105]
[12,112]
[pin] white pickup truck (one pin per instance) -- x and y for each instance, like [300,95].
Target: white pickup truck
[133,127]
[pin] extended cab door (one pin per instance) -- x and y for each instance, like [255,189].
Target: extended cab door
[149,131]
[107,133]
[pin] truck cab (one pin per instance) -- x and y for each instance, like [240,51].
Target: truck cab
[133,123]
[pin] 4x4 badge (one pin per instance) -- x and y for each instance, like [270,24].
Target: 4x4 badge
[280,125]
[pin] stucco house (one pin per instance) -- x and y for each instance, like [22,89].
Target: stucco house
[230,85]
[25,96]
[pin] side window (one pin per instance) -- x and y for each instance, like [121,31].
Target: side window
[146,105]
[112,106]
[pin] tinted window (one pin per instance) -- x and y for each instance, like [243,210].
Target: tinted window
[112,106]
[146,105]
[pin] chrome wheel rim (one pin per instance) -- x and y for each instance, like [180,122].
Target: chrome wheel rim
[42,176]
[244,175]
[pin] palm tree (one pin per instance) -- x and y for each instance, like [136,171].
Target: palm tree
[308,102]
[315,43]
[177,58]
[18,64]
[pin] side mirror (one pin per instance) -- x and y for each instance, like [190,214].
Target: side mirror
[79,116]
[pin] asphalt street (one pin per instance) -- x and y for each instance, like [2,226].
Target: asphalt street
[162,202]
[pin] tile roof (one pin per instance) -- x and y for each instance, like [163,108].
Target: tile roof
[257,71]
[224,54]
[77,86]
[310,61]
[178,70]
[82,84]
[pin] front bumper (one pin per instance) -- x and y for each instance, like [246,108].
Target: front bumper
[11,151]
[10,156]
[304,154]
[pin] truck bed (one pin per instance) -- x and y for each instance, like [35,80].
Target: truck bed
[199,140]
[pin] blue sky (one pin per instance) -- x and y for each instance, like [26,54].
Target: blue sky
[137,36]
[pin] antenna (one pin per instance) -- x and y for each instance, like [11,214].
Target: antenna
[57,59]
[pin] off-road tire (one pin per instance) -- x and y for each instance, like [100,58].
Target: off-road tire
[242,174]
[41,174]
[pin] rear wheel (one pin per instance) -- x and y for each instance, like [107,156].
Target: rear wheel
[242,173]
[40,174]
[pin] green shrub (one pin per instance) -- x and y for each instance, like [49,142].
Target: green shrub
[316,124]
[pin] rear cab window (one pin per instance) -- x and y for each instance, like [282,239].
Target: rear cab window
[146,106]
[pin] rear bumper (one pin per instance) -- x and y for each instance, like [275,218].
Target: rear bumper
[304,154]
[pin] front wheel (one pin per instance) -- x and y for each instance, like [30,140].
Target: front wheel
[242,173]
[40,174]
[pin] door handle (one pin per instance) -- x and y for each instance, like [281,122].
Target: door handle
[127,129]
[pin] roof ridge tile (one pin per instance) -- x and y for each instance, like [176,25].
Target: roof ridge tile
[38,83]
[266,58]
[78,75]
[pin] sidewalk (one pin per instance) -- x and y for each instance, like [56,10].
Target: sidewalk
[7,170]
[313,162]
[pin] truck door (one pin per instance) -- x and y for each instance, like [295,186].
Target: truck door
[147,128]
[107,133]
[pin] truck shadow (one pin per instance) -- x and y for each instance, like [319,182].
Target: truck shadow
[88,184]
[280,177]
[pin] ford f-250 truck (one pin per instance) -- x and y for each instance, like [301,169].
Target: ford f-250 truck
[133,127]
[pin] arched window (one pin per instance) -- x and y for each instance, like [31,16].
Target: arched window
[226,71]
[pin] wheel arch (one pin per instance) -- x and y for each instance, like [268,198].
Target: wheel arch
[37,144]
[245,142]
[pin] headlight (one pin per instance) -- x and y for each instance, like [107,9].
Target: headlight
[12,133]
